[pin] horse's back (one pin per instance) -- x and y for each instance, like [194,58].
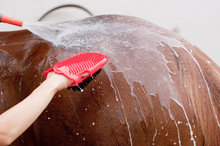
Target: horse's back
[151,92]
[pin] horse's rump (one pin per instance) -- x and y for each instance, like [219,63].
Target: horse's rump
[156,89]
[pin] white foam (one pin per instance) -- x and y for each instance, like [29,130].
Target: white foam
[131,46]
[188,123]
[121,43]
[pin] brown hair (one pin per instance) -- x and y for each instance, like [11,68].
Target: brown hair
[200,77]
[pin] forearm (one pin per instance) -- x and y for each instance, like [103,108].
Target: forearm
[17,119]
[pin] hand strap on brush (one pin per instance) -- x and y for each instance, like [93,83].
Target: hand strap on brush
[73,67]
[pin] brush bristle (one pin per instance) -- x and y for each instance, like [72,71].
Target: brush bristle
[85,82]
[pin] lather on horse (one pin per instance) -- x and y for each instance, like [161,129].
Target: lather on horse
[157,88]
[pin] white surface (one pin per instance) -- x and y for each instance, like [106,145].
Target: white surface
[197,20]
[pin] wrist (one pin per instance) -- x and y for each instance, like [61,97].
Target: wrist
[50,86]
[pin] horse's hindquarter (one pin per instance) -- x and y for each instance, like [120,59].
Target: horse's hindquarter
[135,100]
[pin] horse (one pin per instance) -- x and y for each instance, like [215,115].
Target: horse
[156,89]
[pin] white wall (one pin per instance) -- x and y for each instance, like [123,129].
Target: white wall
[197,20]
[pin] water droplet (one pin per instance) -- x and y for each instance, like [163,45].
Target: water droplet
[93,89]
[48,118]
[1,93]
[179,122]
[80,88]
[85,109]
[77,133]
[153,94]
[84,138]
[107,105]
[93,123]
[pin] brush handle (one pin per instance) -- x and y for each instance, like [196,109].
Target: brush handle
[73,67]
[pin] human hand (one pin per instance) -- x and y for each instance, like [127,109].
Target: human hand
[60,81]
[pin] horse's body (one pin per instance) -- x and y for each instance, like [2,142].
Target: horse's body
[156,89]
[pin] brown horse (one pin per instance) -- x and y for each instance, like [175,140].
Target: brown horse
[156,89]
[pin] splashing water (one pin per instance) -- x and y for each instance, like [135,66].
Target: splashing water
[117,40]
[45,30]
[119,37]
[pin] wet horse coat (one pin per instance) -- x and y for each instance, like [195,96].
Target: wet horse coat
[157,88]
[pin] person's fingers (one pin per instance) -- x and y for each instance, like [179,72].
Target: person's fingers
[62,81]
[84,74]
[49,74]
[59,78]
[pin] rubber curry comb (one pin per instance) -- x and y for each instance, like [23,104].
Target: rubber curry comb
[89,62]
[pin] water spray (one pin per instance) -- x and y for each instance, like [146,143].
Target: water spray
[9,20]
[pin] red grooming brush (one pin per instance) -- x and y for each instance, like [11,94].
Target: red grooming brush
[9,20]
[82,63]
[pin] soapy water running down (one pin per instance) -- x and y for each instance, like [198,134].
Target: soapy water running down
[118,40]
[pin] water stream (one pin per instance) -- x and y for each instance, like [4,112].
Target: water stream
[107,37]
